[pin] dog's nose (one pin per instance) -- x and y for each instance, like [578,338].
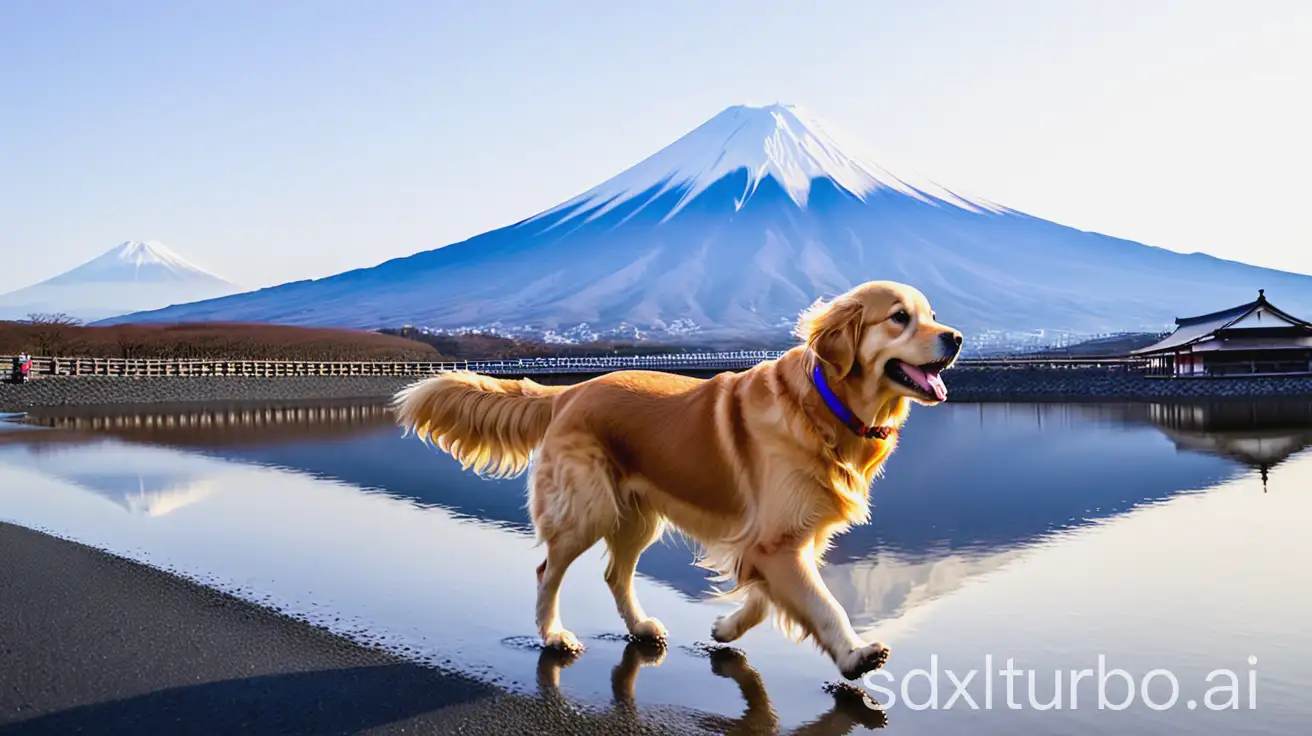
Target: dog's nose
[952,342]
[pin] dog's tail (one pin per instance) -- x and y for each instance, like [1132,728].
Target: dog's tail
[489,424]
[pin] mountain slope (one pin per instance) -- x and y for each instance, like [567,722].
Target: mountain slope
[733,229]
[131,276]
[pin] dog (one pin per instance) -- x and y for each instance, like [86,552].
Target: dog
[760,468]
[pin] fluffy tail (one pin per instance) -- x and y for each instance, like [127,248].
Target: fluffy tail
[488,424]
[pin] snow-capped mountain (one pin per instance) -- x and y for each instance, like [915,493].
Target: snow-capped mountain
[783,143]
[130,277]
[734,228]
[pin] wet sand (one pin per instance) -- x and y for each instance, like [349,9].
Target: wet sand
[92,643]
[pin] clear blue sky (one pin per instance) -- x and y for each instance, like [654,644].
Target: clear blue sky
[271,140]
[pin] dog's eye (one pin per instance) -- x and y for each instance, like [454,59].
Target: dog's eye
[901,317]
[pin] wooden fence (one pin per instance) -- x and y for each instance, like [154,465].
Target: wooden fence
[45,367]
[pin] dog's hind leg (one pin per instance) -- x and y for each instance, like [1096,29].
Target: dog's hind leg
[561,552]
[752,612]
[573,503]
[639,526]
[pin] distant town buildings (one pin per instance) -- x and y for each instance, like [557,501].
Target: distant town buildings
[985,344]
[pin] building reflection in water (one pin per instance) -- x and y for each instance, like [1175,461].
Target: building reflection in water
[1256,434]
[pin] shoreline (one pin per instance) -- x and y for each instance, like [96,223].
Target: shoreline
[973,385]
[194,659]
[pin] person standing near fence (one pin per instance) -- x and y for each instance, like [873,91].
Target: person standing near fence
[24,367]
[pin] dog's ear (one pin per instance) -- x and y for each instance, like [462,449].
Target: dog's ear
[833,333]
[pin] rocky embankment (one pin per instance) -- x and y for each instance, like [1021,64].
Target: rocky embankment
[107,390]
[1024,384]
[965,384]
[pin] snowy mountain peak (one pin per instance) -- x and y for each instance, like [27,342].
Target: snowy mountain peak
[138,253]
[781,142]
[144,251]
[138,261]
[130,276]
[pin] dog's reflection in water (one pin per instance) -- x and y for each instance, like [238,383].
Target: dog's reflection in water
[849,711]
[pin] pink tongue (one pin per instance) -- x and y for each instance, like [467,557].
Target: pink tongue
[930,381]
[940,389]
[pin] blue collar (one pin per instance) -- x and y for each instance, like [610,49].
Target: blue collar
[844,414]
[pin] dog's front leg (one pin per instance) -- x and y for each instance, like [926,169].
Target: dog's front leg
[794,584]
[753,611]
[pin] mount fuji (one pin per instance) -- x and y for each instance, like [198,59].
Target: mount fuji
[727,233]
[130,277]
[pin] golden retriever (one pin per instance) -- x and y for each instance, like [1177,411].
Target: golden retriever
[761,468]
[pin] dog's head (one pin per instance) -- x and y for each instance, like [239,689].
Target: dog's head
[880,339]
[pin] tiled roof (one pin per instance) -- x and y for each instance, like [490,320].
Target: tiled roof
[1190,330]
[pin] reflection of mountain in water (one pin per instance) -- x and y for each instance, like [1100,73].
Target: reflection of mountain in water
[884,585]
[158,501]
[970,487]
[142,480]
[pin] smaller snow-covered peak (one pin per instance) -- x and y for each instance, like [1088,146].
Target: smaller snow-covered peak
[783,142]
[143,252]
[128,260]
[130,277]
[137,261]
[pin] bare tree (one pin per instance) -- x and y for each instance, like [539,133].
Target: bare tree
[51,331]
[129,346]
[53,318]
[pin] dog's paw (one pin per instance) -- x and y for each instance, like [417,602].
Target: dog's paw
[650,630]
[725,630]
[563,641]
[866,659]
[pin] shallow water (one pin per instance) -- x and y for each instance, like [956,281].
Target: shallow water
[1044,534]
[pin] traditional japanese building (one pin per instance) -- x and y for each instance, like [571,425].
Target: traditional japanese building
[1251,339]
